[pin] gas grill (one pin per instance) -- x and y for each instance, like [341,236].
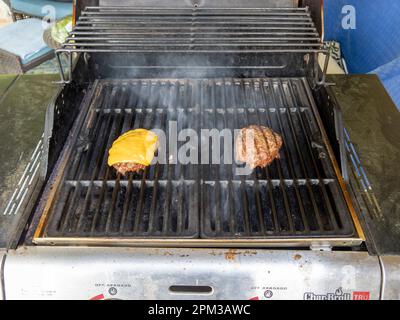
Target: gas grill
[201,226]
[298,200]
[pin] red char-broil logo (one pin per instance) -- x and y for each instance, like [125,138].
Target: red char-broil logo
[361,295]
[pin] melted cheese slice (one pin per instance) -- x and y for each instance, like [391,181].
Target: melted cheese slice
[135,146]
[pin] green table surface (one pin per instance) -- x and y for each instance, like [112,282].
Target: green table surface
[6,82]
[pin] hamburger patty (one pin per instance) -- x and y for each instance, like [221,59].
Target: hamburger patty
[133,151]
[127,167]
[258,146]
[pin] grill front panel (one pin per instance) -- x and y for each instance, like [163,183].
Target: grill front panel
[298,196]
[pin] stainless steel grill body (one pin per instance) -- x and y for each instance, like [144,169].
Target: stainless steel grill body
[145,273]
[204,68]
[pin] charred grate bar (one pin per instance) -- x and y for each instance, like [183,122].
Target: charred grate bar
[297,196]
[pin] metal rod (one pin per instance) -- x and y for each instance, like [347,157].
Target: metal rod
[192,46]
[192,51]
[177,39]
[322,82]
[179,29]
[209,15]
[60,67]
[105,8]
[116,20]
[166,33]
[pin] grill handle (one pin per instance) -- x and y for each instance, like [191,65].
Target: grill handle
[191,289]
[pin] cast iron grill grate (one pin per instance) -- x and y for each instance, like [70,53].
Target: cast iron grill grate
[297,196]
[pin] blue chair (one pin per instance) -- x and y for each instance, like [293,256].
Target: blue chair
[40,8]
[22,46]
